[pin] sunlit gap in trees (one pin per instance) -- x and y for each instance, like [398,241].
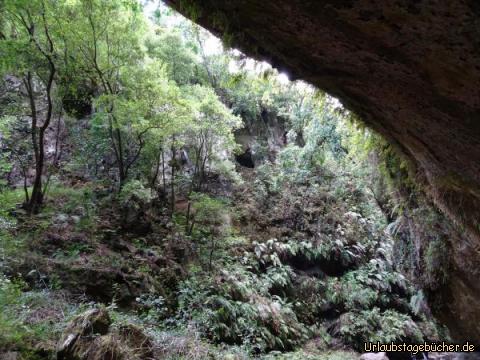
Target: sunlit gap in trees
[159,13]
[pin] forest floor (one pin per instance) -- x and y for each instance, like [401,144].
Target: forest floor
[285,274]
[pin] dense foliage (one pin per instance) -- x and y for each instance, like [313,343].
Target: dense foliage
[203,198]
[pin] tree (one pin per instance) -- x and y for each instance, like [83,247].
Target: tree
[210,215]
[209,134]
[107,37]
[178,59]
[32,51]
[143,112]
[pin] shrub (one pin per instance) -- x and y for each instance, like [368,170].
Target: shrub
[234,307]
[358,327]
[134,190]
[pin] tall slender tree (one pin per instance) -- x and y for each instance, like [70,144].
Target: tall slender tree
[30,51]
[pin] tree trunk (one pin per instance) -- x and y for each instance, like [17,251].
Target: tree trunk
[25,185]
[157,169]
[189,208]
[36,199]
[212,249]
[122,171]
[164,180]
[172,180]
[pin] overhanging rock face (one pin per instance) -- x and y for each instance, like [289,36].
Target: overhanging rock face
[410,69]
